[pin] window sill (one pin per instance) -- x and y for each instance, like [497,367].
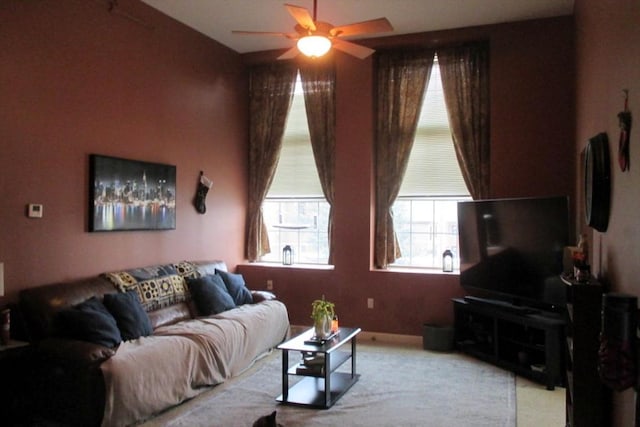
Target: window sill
[418,270]
[293,266]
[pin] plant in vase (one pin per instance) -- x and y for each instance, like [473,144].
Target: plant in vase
[322,312]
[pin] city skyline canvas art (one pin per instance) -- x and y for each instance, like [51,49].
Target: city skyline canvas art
[131,195]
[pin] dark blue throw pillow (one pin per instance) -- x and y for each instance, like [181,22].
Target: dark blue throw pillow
[131,318]
[90,321]
[236,287]
[210,295]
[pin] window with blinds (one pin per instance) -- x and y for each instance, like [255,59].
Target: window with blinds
[296,175]
[295,211]
[425,213]
[433,168]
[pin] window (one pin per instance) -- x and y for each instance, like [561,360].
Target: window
[295,211]
[425,212]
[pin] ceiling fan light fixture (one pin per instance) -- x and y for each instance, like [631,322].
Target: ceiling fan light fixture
[314,46]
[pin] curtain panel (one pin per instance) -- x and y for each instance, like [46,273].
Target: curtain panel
[318,82]
[271,92]
[402,78]
[465,80]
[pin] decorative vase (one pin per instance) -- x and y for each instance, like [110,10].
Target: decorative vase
[323,326]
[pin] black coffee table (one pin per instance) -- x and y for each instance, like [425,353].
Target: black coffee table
[322,386]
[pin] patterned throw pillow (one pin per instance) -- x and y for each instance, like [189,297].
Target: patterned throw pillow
[157,286]
[187,269]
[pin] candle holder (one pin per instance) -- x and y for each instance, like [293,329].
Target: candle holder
[447,261]
[287,255]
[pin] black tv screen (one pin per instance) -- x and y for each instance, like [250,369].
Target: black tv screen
[512,249]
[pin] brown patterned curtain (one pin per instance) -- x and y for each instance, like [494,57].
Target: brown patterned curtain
[319,82]
[271,93]
[465,80]
[402,78]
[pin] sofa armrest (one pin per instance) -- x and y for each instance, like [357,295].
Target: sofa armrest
[75,352]
[259,296]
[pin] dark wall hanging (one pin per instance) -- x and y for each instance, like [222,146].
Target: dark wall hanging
[597,182]
[131,195]
[624,122]
[204,184]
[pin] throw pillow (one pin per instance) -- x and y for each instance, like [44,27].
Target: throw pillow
[210,295]
[236,287]
[90,321]
[131,318]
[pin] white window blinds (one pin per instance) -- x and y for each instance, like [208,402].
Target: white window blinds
[433,167]
[296,173]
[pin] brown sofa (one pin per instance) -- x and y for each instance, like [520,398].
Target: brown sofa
[77,382]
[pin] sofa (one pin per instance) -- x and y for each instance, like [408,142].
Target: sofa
[118,348]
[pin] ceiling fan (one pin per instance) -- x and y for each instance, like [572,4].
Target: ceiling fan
[315,38]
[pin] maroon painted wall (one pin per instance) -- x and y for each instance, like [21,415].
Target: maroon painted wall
[76,79]
[532,154]
[608,61]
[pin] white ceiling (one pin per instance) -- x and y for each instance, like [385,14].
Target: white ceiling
[216,18]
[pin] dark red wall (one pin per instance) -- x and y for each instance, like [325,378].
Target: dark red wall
[532,154]
[608,61]
[76,79]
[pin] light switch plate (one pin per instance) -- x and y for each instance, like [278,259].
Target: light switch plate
[35,210]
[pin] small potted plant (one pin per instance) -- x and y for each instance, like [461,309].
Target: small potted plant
[322,312]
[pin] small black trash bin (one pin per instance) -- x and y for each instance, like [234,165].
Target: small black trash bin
[437,338]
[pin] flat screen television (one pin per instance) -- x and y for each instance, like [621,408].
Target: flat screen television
[512,250]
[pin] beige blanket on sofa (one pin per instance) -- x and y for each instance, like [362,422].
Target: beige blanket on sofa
[179,361]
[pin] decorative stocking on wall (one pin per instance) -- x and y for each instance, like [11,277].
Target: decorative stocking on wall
[624,122]
[204,184]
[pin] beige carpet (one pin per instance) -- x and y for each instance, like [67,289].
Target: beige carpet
[537,406]
[399,386]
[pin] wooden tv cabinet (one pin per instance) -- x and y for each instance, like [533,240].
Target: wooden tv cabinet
[530,344]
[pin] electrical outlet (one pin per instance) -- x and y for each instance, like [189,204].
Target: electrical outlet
[34,210]
[369,302]
[269,285]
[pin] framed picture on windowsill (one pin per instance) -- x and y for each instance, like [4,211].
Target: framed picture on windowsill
[131,195]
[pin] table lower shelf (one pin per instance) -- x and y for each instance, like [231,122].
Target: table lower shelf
[310,390]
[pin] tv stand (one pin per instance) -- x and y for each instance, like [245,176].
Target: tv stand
[502,305]
[526,343]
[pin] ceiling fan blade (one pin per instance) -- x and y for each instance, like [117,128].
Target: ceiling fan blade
[380,25]
[302,16]
[265,33]
[352,49]
[290,54]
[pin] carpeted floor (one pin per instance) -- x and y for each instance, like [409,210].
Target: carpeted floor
[537,406]
[399,386]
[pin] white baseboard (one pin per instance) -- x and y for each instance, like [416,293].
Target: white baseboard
[413,340]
